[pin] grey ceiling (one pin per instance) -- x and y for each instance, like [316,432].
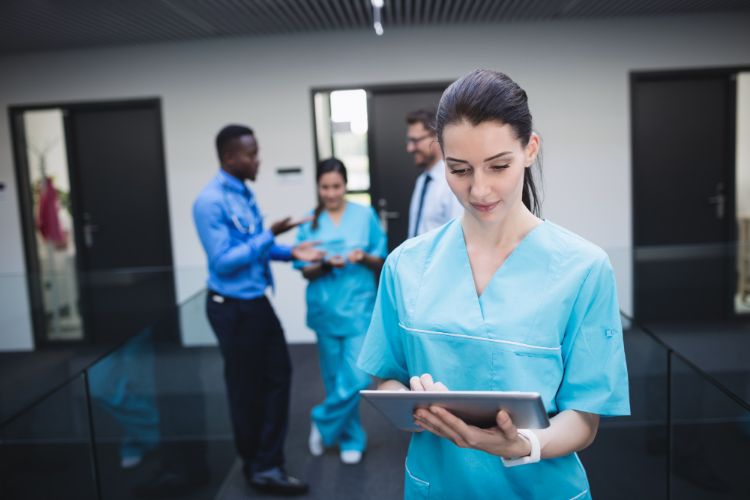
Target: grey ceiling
[27,25]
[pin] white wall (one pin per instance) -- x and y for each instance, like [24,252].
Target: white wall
[576,74]
[743,145]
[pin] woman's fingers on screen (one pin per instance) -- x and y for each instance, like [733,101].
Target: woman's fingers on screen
[439,386]
[427,382]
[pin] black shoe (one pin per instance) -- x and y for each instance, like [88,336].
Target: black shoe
[277,482]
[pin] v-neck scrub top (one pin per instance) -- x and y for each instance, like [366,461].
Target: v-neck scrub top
[548,321]
[340,302]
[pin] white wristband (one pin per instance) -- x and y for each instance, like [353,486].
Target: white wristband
[531,458]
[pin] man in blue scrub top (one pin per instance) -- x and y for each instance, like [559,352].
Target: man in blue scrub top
[257,368]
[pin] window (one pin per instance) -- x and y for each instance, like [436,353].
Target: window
[341,131]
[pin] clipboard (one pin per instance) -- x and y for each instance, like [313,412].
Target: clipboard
[477,408]
[336,247]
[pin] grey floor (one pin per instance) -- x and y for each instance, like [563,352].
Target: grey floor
[380,473]
[627,460]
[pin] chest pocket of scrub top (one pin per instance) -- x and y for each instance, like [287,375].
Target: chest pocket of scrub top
[527,368]
[461,362]
[472,363]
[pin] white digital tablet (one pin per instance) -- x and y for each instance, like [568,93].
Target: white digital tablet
[477,408]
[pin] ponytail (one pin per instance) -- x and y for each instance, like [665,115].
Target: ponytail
[316,215]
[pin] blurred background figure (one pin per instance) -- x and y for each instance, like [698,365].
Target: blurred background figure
[123,385]
[257,367]
[340,299]
[432,202]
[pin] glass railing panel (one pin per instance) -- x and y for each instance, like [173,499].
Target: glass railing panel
[710,436]
[721,349]
[46,452]
[635,446]
[160,414]
[34,359]
[119,303]
[694,297]
[94,308]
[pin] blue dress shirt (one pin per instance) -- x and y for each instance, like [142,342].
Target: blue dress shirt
[238,249]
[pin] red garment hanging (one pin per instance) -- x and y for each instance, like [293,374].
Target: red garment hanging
[47,220]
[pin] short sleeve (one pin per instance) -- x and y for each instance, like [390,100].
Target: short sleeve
[303,234]
[378,241]
[595,377]
[382,354]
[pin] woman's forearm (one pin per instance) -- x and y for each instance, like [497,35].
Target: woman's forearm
[373,263]
[569,431]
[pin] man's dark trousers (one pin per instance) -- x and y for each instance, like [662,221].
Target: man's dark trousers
[258,372]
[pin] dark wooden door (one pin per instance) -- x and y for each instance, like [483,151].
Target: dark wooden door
[683,196]
[122,219]
[392,169]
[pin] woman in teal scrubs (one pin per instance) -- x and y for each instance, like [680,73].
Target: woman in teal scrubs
[340,298]
[498,300]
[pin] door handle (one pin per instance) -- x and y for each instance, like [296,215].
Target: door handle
[719,199]
[88,234]
[384,214]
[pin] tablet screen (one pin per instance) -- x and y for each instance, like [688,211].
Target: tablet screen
[477,408]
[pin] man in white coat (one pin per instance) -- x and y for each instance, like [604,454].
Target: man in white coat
[432,202]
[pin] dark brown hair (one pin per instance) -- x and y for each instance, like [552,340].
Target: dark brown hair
[424,116]
[326,166]
[485,95]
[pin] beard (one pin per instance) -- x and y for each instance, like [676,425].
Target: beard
[424,161]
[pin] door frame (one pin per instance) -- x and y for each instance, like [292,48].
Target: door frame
[730,72]
[379,88]
[26,208]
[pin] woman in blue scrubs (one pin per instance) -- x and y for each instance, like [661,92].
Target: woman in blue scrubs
[340,298]
[498,300]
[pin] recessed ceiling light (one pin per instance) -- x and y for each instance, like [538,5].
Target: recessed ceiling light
[376,19]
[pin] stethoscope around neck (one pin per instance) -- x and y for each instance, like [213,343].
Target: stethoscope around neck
[250,229]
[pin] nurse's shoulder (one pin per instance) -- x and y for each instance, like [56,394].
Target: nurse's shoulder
[413,255]
[573,252]
[360,211]
[308,225]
